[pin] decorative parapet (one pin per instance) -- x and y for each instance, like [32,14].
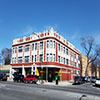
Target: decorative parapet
[47,33]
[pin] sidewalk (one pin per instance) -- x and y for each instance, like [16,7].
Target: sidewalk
[60,83]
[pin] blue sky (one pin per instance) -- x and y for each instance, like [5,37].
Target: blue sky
[72,19]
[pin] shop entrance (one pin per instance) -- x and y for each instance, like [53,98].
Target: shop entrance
[52,73]
[48,74]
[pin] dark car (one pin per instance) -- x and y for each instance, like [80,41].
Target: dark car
[3,77]
[93,79]
[78,80]
[83,79]
[31,79]
[18,78]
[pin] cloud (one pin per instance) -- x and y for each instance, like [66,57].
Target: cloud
[47,27]
[27,31]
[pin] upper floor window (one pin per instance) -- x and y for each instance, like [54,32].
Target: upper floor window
[20,49]
[75,64]
[54,44]
[51,44]
[32,58]
[26,59]
[59,59]
[27,47]
[47,43]
[35,46]
[66,51]
[54,57]
[72,62]
[75,56]
[67,62]
[78,57]
[41,57]
[14,49]
[78,65]
[19,59]
[58,47]
[64,60]
[47,57]
[50,57]
[72,54]
[63,49]
[35,58]
[41,45]
[14,60]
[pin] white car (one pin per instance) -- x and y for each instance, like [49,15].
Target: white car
[97,83]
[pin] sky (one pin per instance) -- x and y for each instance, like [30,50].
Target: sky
[72,19]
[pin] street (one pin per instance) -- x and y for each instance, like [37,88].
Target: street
[21,91]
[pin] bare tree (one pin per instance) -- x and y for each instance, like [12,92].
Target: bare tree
[92,50]
[5,56]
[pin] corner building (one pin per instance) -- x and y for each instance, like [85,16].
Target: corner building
[45,54]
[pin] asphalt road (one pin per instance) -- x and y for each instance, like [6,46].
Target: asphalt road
[21,91]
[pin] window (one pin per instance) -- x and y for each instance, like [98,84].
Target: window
[35,58]
[27,47]
[32,46]
[59,59]
[78,57]
[64,60]
[19,59]
[67,62]
[15,50]
[14,60]
[58,47]
[51,44]
[35,46]
[75,64]
[72,62]
[47,57]
[41,57]
[20,49]
[54,57]
[51,57]
[66,51]
[32,58]
[41,45]
[75,72]
[47,43]
[75,56]
[63,49]
[26,59]
[72,54]
[79,65]
[54,44]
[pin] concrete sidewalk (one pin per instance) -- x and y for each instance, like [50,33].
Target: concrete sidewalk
[60,83]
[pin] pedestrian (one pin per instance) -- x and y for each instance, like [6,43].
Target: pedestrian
[57,80]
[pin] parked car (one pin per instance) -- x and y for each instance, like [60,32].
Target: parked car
[18,78]
[83,79]
[3,77]
[31,79]
[93,79]
[97,83]
[78,80]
